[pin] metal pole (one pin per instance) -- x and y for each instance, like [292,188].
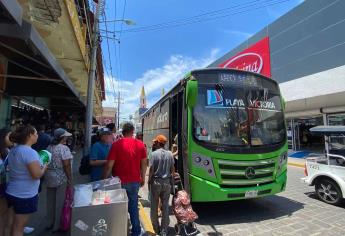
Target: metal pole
[92,75]
[118,110]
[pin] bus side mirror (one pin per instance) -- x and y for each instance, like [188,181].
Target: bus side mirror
[283,103]
[191,93]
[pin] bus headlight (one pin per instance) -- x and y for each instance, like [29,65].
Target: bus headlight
[282,162]
[203,162]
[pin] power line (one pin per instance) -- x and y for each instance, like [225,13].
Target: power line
[120,34]
[183,20]
[119,62]
[209,16]
[107,39]
[110,63]
[115,45]
[199,20]
[123,17]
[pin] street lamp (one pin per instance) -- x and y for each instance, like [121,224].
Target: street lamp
[127,21]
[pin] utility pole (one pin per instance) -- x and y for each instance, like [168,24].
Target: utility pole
[92,75]
[118,110]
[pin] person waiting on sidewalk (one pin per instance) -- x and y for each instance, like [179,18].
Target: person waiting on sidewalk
[25,172]
[58,177]
[112,128]
[5,145]
[43,140]
[127,159]
[160,174]
[98,154]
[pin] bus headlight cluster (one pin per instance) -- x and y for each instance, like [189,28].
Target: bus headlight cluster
[282,161]
[204,163]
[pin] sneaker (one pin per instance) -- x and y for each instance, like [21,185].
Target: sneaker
[142,233]
[28,230]
[163,233]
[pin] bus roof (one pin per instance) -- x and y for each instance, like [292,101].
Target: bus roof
[189,74]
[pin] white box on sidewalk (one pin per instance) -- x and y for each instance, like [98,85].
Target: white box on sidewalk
[102,220]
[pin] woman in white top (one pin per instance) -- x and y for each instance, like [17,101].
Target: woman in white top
[57,177]
[25,171]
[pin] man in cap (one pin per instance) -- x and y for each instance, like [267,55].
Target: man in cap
[127,159]
[99,152]
[161,172]
[139,135]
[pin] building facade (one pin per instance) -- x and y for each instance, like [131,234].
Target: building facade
[109,115]
[141,110]
[44,61]
[305,50]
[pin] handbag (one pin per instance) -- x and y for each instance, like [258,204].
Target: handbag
[66,214]
[85,168]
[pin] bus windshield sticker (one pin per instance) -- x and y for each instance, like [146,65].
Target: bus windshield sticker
[214,98]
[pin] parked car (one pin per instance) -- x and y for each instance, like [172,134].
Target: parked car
[327,172]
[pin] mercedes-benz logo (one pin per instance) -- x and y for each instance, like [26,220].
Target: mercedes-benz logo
[250,173]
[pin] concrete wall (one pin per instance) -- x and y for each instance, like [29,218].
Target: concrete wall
[307,40]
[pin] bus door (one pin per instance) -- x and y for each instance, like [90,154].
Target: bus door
[180,132]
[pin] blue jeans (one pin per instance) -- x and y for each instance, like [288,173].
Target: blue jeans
[132,190]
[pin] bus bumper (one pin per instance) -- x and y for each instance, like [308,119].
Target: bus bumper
[206,191]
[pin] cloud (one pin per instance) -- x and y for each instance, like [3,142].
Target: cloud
[154,81]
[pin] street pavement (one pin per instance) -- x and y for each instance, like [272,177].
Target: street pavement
[293,212]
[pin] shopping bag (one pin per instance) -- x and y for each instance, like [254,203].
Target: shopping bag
[66,214]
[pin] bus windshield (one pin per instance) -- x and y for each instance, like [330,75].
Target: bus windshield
[239,114]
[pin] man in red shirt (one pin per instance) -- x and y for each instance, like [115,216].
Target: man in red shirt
[127,159]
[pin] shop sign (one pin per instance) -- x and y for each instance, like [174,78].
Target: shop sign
[255,58]
[107,120]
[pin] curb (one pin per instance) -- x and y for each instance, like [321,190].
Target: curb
[145,221]
[296,164]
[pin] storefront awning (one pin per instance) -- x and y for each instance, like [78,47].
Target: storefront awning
[32,69]
[10,11]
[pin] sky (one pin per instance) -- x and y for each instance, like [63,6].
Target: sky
[197,33]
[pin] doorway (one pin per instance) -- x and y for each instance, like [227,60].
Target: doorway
[299,136]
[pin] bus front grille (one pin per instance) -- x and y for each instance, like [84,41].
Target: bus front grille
[244,173]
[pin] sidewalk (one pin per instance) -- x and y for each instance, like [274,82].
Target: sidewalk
[37,220]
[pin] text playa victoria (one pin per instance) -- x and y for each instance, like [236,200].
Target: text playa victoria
[257,104]
[252,104]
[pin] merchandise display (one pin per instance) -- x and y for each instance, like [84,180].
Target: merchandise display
[82,195]
[95,193]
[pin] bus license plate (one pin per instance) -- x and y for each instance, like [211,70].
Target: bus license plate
[251,194]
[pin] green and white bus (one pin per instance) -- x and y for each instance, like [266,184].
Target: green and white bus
[231,133]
